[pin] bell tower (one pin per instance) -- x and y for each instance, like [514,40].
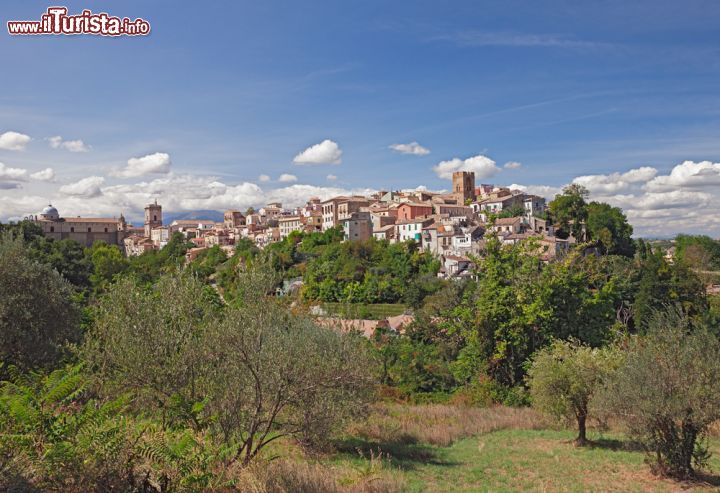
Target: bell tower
[463,186]
[153,217]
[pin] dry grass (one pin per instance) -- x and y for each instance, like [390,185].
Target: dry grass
[442,425]
[291,476]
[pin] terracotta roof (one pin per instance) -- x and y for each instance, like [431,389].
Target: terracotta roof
[415,204]
[507,221]
[89,220]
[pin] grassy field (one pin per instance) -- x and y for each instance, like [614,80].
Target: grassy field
[534,460]
[440,448]
[375,311]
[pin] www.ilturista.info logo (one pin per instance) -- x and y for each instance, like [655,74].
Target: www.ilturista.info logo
[57,21]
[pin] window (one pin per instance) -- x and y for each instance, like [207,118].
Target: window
[52,229]
[89,230]
[72,229]
[106,230]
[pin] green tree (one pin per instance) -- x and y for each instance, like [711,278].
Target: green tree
[569,211]
[564,377]
[609,227]
[668,392]
[661,283]
[108,262]
[37,315]
[147,340]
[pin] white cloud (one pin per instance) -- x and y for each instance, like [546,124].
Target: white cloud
[685,200]
[157,163]
[411,148]
[616,182]
[688,174]
[263,178]
[12,174]
[86,188]
[57,142]
[297,194]
[512,165]
[540,190]
[326,152]
[48,174]
[287,178]
[13,141]
[91,197]
[483,166]
[331,177]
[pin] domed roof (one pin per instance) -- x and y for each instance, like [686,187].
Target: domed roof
[50,211]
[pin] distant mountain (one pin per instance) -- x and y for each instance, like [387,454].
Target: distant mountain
[169,217]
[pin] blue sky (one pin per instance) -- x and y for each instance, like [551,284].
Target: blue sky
[231,90]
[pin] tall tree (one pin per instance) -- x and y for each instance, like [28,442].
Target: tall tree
[37,314]
[569,211]
[609,227]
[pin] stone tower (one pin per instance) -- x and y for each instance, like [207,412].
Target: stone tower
[153,217]
[464,186]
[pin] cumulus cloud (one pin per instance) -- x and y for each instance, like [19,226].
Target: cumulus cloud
[411,148]
[14,141]
[483,166]
[287,178]
[48,174]
[512,165]
[91,197]
[157,163]
[326,152]
[661,205]
[688,174]
[616,182]
[540,190]
[263,178]
[331,177]
[12,174]
[86,188]
[78,145]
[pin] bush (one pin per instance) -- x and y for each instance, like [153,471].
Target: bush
[564,377]
[668,392]
[37,315]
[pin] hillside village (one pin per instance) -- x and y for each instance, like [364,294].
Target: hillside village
[452,225]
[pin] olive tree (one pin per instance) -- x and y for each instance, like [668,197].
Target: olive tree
[564,377]
[147,340]
[246,373]
[37,314]
[273,374]
[668,392]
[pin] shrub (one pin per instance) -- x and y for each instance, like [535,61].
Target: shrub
[37,315]
[668,392]
[563,378]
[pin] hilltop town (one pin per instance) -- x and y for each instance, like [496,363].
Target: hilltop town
[449,225]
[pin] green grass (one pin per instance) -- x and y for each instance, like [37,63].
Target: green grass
[375,311]
[526,460]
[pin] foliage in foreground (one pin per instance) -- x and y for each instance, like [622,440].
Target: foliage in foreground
[37,313]
[564,377]
[247,374]
[668,392]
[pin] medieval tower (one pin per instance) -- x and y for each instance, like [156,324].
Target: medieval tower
[463,186]
[153,217]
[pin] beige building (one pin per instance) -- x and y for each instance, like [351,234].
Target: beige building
[288,224]
[358,227]
[84,230]
[330,212]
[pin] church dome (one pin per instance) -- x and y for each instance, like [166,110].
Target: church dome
[50,212]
